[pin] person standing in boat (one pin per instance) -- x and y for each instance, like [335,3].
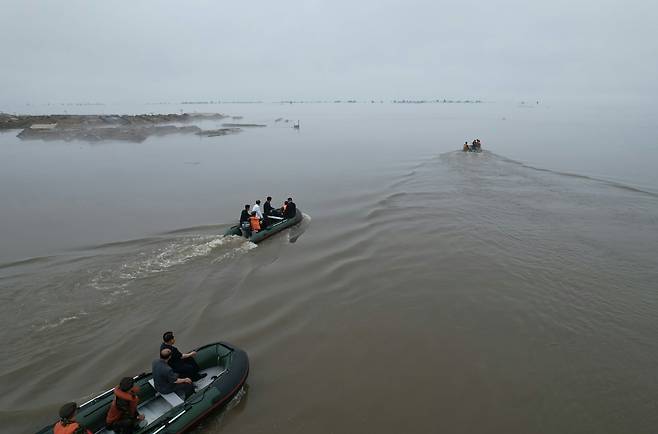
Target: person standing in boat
[267,206]
[256,209]
[264,222]
[291,209]
[267,211]
[182,363]
[123,418]
[166,380]
[67,423]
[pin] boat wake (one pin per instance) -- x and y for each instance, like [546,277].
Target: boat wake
[102,276]
[608,182]
[58,322]
[170,254]
[298,230]
[218,422]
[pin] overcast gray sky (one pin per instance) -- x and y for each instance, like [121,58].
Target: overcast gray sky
[156,50]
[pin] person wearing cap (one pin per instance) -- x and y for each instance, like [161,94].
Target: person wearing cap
[67,423]
[182,363]
[166,380]
[123,418]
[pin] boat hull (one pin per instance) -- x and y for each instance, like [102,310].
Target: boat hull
[232,366]
[273,229]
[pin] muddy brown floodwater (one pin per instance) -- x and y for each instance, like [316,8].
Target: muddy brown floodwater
[427,290]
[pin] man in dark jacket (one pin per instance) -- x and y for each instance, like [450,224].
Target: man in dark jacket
[166,380]
[244,222]
[269,210]
[182,363]
[291,209]
[244,215]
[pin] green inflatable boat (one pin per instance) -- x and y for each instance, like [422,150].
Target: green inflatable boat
[275,227]
[227,368]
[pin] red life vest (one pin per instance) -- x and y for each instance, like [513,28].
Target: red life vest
[114,414]
[255,223]
[69,428]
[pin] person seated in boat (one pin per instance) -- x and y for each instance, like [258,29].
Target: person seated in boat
[283,208]
[466,148]
[67,423]
[244,215]
[182,363]
[291,209]
[166,380]
[269,210]
[479,145]
[123,417]
[244,222]
[254,222]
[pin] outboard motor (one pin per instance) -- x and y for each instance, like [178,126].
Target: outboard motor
[246,229]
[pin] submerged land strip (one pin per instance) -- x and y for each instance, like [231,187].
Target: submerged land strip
[95,128]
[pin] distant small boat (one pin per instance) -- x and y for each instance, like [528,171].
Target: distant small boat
[296,126]
[275,227]
[227,369]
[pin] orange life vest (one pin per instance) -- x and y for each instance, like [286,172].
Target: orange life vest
[114,414]
[69,428]
[255,223]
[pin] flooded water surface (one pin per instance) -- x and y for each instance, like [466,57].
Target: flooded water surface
[426,289]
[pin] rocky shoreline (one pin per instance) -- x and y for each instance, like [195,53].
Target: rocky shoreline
[94,128]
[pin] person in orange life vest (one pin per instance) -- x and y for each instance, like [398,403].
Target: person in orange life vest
[254,221]
[282,210]
[123,418]
[67,423]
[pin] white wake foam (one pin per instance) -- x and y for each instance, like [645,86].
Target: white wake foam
[47,325]
[114,280]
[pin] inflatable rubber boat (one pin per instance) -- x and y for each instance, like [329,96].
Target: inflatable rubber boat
[275,227]
[227,369]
